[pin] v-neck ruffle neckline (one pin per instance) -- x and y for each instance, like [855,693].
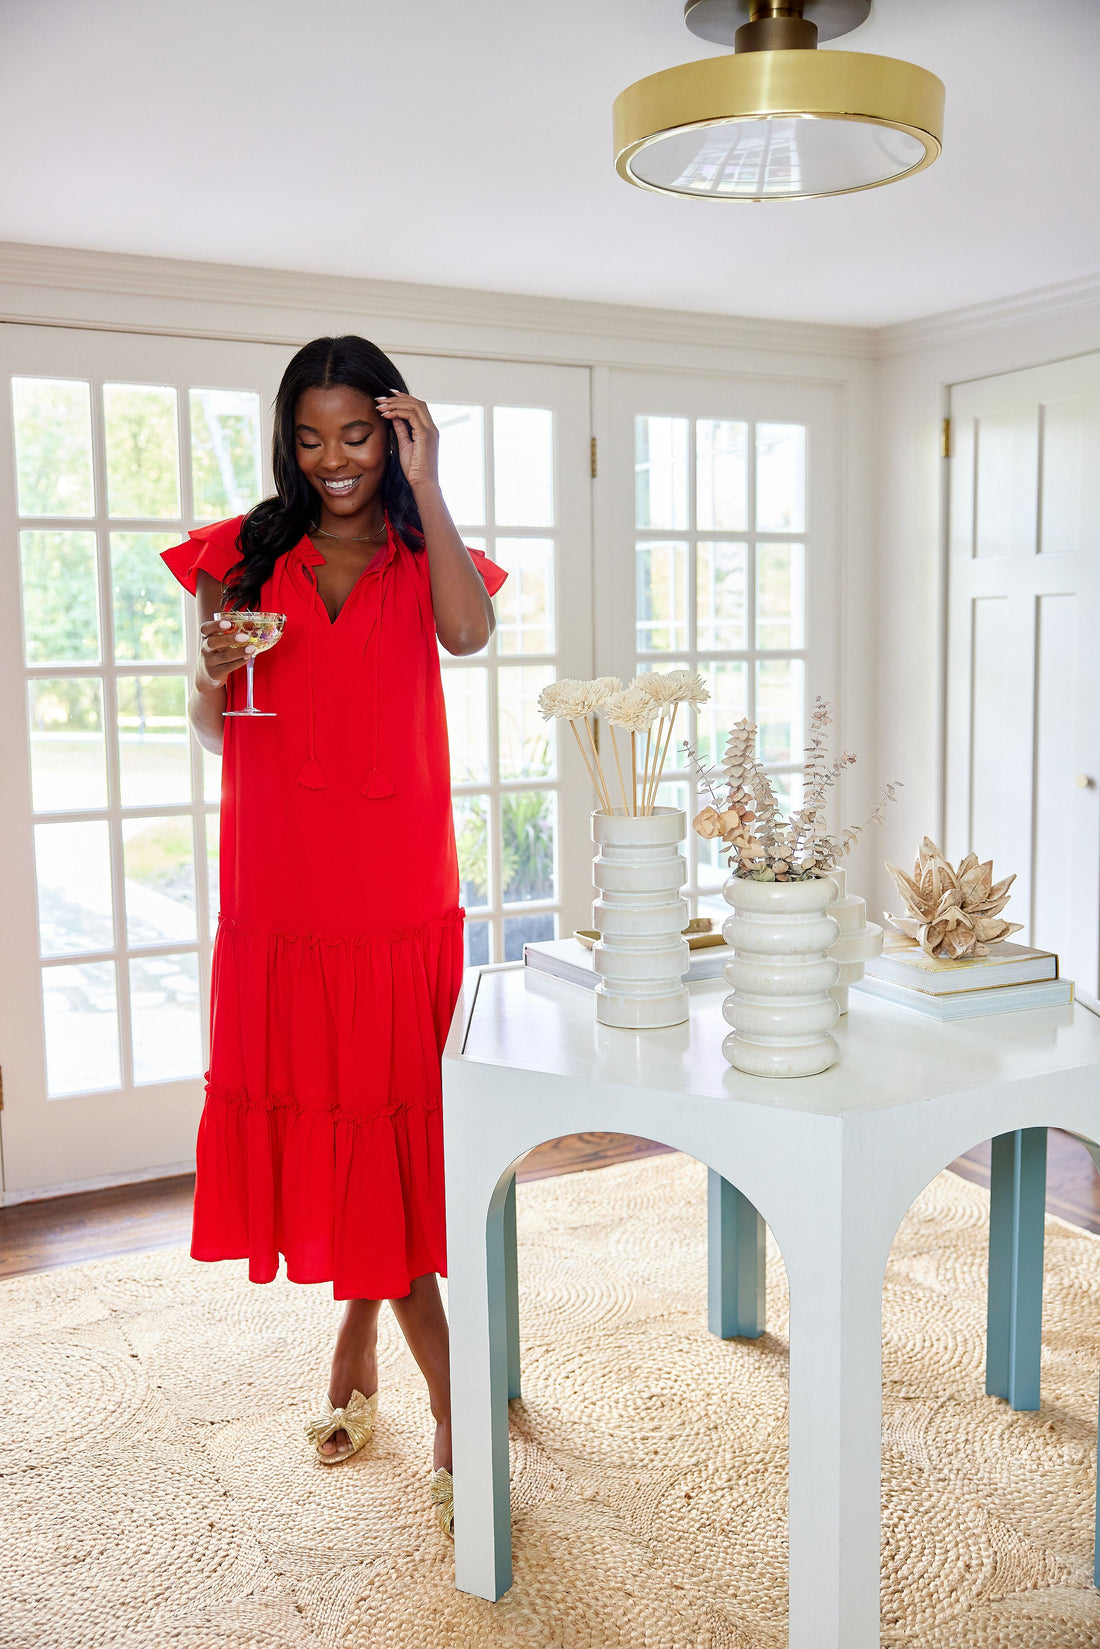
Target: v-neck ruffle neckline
[310,556]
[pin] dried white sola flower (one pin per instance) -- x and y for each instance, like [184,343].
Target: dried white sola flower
[631,709]
[662,686]
[565,700]
[602,689]
[549,699]
[690,688]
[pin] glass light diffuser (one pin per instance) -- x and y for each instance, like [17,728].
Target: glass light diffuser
[778,125]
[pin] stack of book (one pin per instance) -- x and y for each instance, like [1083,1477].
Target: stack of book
[572,959]
[1011,977]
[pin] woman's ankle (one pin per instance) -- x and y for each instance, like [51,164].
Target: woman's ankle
[354,1368]
[441,1448]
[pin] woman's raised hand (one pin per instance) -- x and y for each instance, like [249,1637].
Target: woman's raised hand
[417,437]
[222,649]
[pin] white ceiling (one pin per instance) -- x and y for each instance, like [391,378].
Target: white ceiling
[469,145]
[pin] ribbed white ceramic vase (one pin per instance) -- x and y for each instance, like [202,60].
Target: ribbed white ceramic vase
[780,1007]
[641,956]
[859,939]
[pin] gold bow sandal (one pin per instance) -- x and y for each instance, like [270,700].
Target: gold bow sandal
[443,1501]
[356,1418]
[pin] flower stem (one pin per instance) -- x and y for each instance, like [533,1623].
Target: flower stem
[619,766]
[587,763]
[662,757]
[634,772]
[599,766]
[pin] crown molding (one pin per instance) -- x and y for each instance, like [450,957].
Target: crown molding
[231,300]
[266,298]
[1042,304]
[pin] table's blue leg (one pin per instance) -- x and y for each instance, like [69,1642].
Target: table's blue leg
[511,1287]
[499,1279]
[735,1262]
[1017,1203]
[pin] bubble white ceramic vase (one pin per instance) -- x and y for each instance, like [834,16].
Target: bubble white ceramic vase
[780,1008]
[641,956]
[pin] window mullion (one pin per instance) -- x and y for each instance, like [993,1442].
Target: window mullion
[495,823]
[198,808]
[112,753]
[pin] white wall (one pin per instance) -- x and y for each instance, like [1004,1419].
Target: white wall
[917,363]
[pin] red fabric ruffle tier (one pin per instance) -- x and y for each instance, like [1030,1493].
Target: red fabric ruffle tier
[322,1134]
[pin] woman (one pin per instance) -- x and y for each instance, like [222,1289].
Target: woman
[339,947]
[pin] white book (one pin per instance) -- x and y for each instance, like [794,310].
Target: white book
[568,959]
[906,964]
[1044,993]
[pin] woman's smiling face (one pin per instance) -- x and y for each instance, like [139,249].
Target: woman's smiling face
[341,443]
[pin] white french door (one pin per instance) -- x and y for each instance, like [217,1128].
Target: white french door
[724,516]
[515,470]
[1023,687]
[111,447]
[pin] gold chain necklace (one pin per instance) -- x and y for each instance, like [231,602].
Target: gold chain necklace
[351,538]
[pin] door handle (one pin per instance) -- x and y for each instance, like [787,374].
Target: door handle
[1084,781]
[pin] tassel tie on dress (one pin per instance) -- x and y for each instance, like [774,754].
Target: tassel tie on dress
[377,784]
[311,774]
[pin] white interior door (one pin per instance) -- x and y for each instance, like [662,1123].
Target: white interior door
[111,447]
[1023,690]
[724,513]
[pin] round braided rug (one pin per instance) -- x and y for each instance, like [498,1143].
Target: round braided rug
[157,1489]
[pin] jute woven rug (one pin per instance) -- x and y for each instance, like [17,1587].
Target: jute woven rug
[156,1489]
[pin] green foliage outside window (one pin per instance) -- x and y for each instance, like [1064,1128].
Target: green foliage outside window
[59,597]
[526,846]
[225,452]
[148,607]
[142,451]
[53,445]
[71,704]
[160,857]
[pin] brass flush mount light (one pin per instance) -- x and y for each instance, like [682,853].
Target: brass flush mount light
[777,120]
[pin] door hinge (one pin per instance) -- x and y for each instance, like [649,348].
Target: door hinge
[593,458]
[945,439]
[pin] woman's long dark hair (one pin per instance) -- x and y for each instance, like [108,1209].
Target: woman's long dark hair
[277,524]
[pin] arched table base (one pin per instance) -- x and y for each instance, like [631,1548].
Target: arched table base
[831,1162]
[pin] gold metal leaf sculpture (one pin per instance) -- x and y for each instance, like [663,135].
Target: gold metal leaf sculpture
[952,913]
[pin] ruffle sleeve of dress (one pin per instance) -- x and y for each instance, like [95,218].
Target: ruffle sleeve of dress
[339,949]
[214,550]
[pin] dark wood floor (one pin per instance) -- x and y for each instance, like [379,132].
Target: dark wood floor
[133,1219]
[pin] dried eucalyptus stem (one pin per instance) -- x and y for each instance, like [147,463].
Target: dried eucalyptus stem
[760,842]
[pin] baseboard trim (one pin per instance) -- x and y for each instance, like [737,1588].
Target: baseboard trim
[101,1182]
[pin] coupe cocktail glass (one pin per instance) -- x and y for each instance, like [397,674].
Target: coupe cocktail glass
[263,631]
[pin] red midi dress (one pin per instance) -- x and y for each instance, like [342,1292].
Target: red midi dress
[338,954]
